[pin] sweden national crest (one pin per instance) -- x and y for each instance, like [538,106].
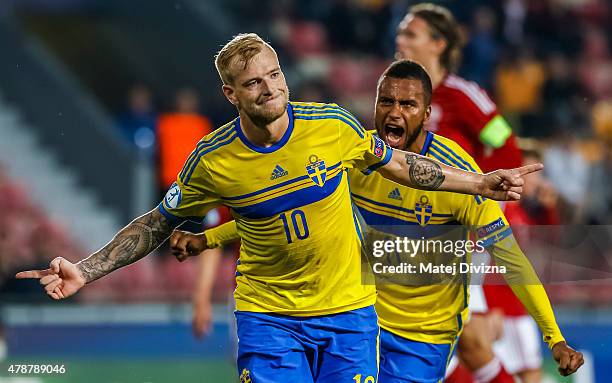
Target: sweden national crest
[422,210]
[245,376]
[316,170]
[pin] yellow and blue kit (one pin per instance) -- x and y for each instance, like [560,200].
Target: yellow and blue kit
[420,322]
[422,318]
[301,243]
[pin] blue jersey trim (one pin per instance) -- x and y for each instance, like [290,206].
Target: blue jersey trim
[454,154]
[428,139]
[280,185]
[409,211]
[292,200]
[445,158]
[169,216]
[223,133]
[274,147]
[359,130]
[326,108]
[382,162]
[206,150]
[302,110]
[176,220]
[400,227]
[497,237]
[356,219]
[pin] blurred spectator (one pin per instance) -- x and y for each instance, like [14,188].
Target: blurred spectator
[595,67]
[515,12]
[137,123]
[178,133]
[539,203]
[482,49]
[569,172]
[563,96]
[518,84]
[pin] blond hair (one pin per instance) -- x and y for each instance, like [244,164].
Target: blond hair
[240,49]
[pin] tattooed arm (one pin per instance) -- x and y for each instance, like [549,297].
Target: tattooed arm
[133,242]
[143,235]
[424,173]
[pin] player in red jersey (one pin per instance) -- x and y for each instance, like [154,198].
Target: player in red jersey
[463,112]
[519,346]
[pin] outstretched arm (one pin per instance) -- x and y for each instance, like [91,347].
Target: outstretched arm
[143,235]
[133,242]
[421,172]
[524,282]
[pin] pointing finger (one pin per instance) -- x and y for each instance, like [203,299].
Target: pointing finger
[32,274]
[523,170]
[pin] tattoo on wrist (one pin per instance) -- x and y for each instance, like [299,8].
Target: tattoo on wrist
[132,243]
[424,172]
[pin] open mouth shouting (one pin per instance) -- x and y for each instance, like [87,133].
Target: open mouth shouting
[394,135]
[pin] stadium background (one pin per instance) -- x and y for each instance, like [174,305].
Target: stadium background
[83,84]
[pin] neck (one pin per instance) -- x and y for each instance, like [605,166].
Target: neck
[418,144]
[264,135]
[436,72]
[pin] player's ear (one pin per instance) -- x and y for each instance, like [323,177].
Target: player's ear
[230,94]
[427,114]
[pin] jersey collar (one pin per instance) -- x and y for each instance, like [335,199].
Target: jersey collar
[427,143]
[275,146]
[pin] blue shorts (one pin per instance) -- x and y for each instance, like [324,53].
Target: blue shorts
[324,349]
[403,360]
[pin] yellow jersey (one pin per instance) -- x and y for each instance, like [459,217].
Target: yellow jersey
[433,310]
[300,240]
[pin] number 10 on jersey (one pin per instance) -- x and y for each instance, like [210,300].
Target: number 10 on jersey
[295,225]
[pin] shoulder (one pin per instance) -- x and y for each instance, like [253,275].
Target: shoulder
[448,151]
[218,138]
[330,112]
[211,144]
[468,92]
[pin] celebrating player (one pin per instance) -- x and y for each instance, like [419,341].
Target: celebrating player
[302,311]
[463,112]
[420,323]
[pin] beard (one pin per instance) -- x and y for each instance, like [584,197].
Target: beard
[261,115]
[412,138]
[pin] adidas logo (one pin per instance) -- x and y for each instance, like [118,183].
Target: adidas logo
[278,172]
[395,194]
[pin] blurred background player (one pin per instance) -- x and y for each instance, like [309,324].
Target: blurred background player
[463,112]
[517,341]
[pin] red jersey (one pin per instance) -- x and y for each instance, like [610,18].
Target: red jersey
[463,112]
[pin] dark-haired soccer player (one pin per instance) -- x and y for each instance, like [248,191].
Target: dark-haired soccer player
[421,321]
[463,112]
[303,314]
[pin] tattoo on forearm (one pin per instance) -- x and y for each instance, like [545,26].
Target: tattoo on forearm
[424,173]
[132,243]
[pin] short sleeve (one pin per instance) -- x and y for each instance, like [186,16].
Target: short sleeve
[360,148]
[190,198]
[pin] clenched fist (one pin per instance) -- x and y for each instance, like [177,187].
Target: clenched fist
[184,244]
